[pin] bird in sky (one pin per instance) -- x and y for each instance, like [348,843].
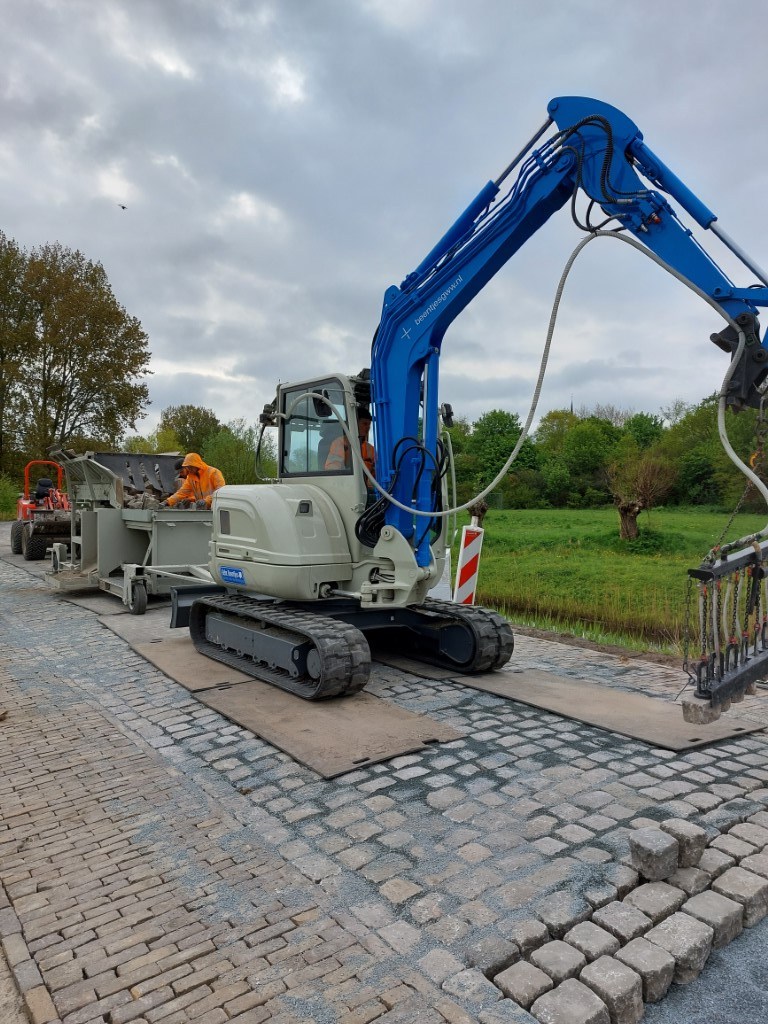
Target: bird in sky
[122,207]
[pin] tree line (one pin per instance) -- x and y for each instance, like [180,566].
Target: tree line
[73,367]
[603,455]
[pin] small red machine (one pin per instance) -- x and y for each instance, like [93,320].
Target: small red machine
[42,513]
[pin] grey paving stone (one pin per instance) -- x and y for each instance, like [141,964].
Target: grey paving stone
[756,835]
[724,916]
[505,1012]
[622,920]
[571,1003]
[704,801]
[690,880]
[756,863]
[599,895]
[561,911]
[559,960]
[523,982]
[472,987]
[744,887]
[439,964]
[654,965]
[491,954]
[619,987]
[730,813]
[656,900]
[689,941]
[624,878]
[715,862]
[654,853]
[528,935]
[691,840]
[592,941]
[733,847]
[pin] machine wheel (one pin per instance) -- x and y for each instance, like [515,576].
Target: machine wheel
[33,545]
[137,599]
[16,531]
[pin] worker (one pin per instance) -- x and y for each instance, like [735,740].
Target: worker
[178,468]
[340,457]
[199,483]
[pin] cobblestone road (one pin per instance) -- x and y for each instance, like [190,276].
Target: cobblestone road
[160,864]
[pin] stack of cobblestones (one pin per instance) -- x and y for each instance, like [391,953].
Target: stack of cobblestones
[699,887]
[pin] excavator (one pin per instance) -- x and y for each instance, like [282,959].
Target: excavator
[315,567]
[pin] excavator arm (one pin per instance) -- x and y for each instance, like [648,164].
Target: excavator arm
[312,569]
[596,152]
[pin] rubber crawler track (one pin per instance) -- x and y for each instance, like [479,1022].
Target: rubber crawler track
[345,657]
[494,640]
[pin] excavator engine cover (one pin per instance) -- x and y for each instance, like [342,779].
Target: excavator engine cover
[281,540]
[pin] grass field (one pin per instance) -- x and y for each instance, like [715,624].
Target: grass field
[568,571]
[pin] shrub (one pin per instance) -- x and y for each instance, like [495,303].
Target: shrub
[9,493]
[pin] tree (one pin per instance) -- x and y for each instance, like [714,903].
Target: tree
[674,412]
[644,428]
[465,466]
[192,425]
[232,449]
[15,336]
[638,481]
[693,444]
[158,442]
[588,447]
[552,429]
[492,439]
[615,415]
[84,356]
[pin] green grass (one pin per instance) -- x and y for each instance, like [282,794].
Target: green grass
[9,493]
[568,571]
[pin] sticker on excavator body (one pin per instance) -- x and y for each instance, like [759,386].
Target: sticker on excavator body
[230,575]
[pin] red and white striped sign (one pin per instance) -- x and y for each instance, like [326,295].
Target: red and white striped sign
[469,563]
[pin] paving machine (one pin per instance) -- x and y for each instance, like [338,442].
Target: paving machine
[132,552]
[326,559]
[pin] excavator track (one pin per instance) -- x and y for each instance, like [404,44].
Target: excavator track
[310,655]
[491,639]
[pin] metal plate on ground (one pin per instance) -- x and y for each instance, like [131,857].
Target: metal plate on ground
[154,625]
[96,601]
[176,657]
[654,720]
[332,737]
[416,668]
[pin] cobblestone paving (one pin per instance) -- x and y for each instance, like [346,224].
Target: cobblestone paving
[160,864]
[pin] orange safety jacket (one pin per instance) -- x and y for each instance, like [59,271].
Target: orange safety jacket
[339,456]
[198,486]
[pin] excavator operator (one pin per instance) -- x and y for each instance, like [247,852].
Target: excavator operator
[339,456]
[198,485]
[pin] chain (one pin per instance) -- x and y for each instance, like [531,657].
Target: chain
[757,463]
[687,625]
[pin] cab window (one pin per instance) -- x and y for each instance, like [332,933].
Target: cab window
[310,429]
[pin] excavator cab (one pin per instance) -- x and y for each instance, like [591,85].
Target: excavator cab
[312,414]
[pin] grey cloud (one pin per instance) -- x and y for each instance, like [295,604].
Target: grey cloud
[405,111]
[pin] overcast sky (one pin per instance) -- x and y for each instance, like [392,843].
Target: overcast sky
[282,163]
